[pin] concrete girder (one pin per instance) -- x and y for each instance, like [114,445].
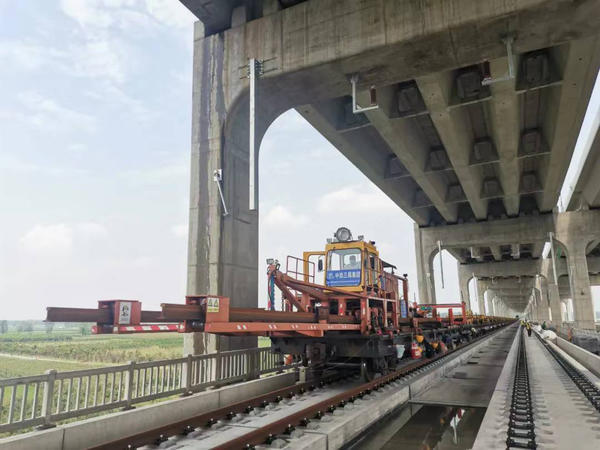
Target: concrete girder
[451,126]
[522,230]
[581,64]
[537,249]
[496,252]
[501,269]
[515,251]
[516,287]
[406,141]
[476,253]
[586,193]
[504,118]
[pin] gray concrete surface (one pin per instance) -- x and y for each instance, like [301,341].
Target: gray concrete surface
[563,417]
[472,383]
[587,359]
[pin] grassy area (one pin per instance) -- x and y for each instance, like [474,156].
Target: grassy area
[73,351]
[108,348]
[11,367]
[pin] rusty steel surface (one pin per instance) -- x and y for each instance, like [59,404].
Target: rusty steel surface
[153,317]
[103,316]
[286,425]
[77,315]
[177,312]
[211,417]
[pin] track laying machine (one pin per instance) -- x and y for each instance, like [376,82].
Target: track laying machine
[342,307]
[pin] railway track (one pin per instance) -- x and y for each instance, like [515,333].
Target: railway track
[521,427]
[589,390]
[521,431]
[285,426]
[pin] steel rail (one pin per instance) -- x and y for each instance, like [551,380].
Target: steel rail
[287,425]
[521,427]
[185,426]
[589,390]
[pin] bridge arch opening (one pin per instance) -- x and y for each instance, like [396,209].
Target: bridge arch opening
[449,292]
[307,189]
[472,293]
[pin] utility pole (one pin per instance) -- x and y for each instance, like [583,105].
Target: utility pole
[254,70]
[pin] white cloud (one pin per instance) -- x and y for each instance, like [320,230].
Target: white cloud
[47,114]
[180,231]
[355,199]
[171,13]
[12,164]
[117,97]
[91,230]
[102,57]
[95,13]
[28,54]
[61,238]
[125,13]
[77,147]
[280,216]
[157,175]
[48,239]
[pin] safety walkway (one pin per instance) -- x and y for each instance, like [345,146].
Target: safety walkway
[563,417]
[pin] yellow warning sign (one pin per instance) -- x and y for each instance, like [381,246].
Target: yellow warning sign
[212,304]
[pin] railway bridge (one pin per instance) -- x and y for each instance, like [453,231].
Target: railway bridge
[465,113]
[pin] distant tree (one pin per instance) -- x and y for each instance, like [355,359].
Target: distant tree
[25,326]
[3,326]
[49,327]
[85,330]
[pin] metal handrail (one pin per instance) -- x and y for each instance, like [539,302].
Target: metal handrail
[42,400]
[298,272]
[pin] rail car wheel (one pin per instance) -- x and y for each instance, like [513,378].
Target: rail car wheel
[372,368]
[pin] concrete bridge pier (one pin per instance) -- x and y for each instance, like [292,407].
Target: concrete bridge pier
[506,257]
[575,231]
[223,239]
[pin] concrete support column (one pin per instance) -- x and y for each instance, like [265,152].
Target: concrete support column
[542,306]
[481,287]
[463,283]
[222,249]
[425,277]
[555,304]
[580,284]
[532,309]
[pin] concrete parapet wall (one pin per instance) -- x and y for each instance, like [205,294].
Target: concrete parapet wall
[587,359]
[118,425]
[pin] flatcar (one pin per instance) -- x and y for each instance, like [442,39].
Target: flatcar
[341,307]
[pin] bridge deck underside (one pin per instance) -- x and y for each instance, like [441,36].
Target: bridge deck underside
[448,149]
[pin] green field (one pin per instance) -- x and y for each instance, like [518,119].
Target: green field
[110,349]
[69,350]
[11,367]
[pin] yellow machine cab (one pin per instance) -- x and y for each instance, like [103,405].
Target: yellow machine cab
[351,264]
